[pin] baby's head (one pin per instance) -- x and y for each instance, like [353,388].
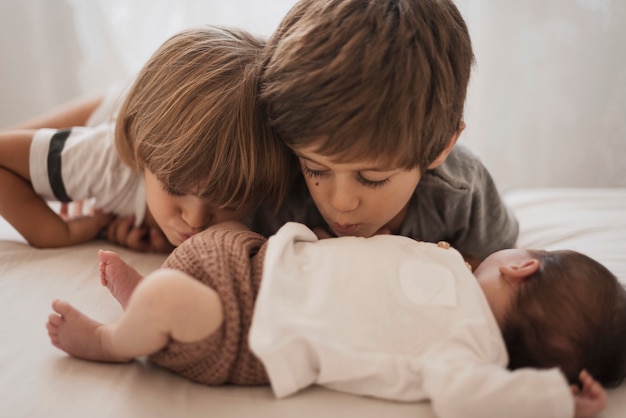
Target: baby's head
[192,123]
[570,312]
[380,81]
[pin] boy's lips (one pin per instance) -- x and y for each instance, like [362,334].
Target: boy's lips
[344,229]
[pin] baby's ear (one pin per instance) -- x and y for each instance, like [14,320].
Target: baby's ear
[444,154]
[519,271]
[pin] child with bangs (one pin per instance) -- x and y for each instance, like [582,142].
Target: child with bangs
[370,96]
[189,147]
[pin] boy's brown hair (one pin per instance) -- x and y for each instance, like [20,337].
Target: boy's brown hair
[193,119]
[571,314]
[369,80]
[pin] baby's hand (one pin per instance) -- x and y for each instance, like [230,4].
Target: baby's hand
[591,399]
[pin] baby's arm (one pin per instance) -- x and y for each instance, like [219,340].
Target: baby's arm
[589,401]
[29,214]
[461,388]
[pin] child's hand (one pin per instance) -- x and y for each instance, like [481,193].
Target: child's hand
[589,400]
[71,210]
[146,239]
[87,227]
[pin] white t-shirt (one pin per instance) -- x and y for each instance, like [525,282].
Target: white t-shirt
[393,318]
[82,163]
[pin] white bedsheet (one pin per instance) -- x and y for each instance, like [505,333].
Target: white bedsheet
[38,380]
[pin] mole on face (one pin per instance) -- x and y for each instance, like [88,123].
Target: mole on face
[317,183]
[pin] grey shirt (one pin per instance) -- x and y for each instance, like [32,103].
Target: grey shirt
[456,202]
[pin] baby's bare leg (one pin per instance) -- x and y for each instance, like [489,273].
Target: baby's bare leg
[167,304]
[120,278]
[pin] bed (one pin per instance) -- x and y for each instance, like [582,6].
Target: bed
[38,380]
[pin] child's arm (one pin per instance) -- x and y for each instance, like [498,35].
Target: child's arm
[28,212]
[73,113]
[589,401]
[37,222]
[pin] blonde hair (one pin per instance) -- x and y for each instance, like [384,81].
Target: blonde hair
[192,118]
[375,80]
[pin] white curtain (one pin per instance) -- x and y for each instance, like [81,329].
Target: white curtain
[547,103]
[39,57]
[122,34]
[547,99]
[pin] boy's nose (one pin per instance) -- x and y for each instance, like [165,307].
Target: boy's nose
[343,198]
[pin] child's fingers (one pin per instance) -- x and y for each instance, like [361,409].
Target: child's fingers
[118,230]
[136,239]
[159,243]
[77,208]
[63,210]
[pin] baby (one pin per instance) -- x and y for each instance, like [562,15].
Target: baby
[385,316]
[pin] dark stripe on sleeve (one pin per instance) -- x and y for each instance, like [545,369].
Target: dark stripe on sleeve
[57,142]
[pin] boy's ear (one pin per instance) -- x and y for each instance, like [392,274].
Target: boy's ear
[444,154]
[518,272]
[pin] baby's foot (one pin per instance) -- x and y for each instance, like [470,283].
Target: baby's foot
[78,335]
[120,278]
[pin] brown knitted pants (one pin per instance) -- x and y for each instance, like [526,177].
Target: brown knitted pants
[231,263]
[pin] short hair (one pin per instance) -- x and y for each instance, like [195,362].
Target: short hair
[369,80]
[192,117]
[570,314]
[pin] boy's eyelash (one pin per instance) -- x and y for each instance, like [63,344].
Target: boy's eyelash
[368,183]
[372,184]
[312,173]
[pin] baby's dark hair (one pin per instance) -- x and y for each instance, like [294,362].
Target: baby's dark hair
[571,314]
[369,80]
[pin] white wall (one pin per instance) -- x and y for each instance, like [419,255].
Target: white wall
[39,57]
[547,101]
[548,98]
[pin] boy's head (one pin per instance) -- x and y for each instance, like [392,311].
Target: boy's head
[192,119]
[376,81]
[566,310]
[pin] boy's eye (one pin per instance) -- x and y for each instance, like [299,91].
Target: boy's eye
[312,173]
[373,184]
